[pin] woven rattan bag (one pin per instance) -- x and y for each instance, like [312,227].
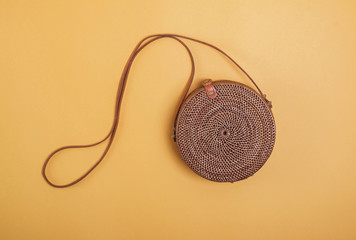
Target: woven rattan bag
[224,130]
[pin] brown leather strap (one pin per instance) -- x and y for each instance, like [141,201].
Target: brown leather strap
[209,88]
[120,92]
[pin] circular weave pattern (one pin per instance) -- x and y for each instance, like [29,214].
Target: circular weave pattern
[227,138]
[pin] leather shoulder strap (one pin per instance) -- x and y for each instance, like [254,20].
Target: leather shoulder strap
[120,92]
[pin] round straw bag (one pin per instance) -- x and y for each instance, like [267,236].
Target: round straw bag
[224,130]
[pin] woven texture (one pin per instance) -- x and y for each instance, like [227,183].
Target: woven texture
[227,138]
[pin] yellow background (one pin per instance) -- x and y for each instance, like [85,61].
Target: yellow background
[60,62]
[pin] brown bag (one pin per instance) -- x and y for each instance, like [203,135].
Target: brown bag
[224,130]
